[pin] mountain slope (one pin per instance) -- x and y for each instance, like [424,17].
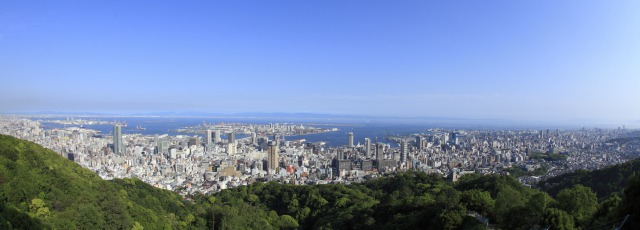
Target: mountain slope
[61,194]
[603,181]
[41,189]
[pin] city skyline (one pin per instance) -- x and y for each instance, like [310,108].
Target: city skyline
[541,61]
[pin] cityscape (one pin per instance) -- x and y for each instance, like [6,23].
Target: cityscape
[322,115]
[207,163]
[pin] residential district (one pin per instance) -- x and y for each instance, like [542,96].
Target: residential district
[189,164]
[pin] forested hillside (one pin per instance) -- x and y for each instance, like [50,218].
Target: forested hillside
[603,182]
[40,189]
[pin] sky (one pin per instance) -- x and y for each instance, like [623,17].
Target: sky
[522,60]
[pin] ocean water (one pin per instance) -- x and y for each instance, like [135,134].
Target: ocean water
[166,125]
[360,132]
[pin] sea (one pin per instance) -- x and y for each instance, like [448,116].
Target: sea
[361,128]
[168,125]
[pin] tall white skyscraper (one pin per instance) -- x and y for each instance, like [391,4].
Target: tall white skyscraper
[254,138]
[216,136]
[350,140]
[367,147]
[404,151]
[118,146]
[208,136]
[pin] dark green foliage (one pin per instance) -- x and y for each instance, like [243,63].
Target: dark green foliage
[10,218]
[518,171]
[630,204]
[547,156]
[607,210]
[478,201]
[603,181]
[580,202]
[558,219]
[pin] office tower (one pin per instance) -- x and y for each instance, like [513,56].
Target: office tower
[231,138]
[419,142]
[367,147]
[379,156]
[163,147]
[216,136]
[276,139]
[272,158]
[254,138]
[379,151]
[350,140]
[194,141]
[209,137]
[453,137]
[118,146]
[404,151]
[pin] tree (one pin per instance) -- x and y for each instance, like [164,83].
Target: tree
[558,219]
[450,219]
[137,226]
[88,217]
[630,204]
[507,200]
[580,202]
[478,200]
[288,222]
[37,208]
[452,213]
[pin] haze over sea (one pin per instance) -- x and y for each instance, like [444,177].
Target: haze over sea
[362,128]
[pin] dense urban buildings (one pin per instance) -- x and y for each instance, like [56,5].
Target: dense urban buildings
[189,163]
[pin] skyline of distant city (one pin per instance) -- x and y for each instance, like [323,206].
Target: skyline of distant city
[335,119]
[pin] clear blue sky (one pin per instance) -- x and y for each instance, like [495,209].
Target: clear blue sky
[530,60]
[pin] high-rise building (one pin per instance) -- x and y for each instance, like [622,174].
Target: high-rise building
[453,137]
[216,136]
[254,138]
[209,138]
[118,146]
[379,155]
[379,151]
[350,140]
[163,147]
[404,151]
[367,147]
[194,141]
[272,158]
[231,138]
[419,143]
[231,149]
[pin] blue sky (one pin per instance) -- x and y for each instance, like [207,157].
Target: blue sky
[528,60]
